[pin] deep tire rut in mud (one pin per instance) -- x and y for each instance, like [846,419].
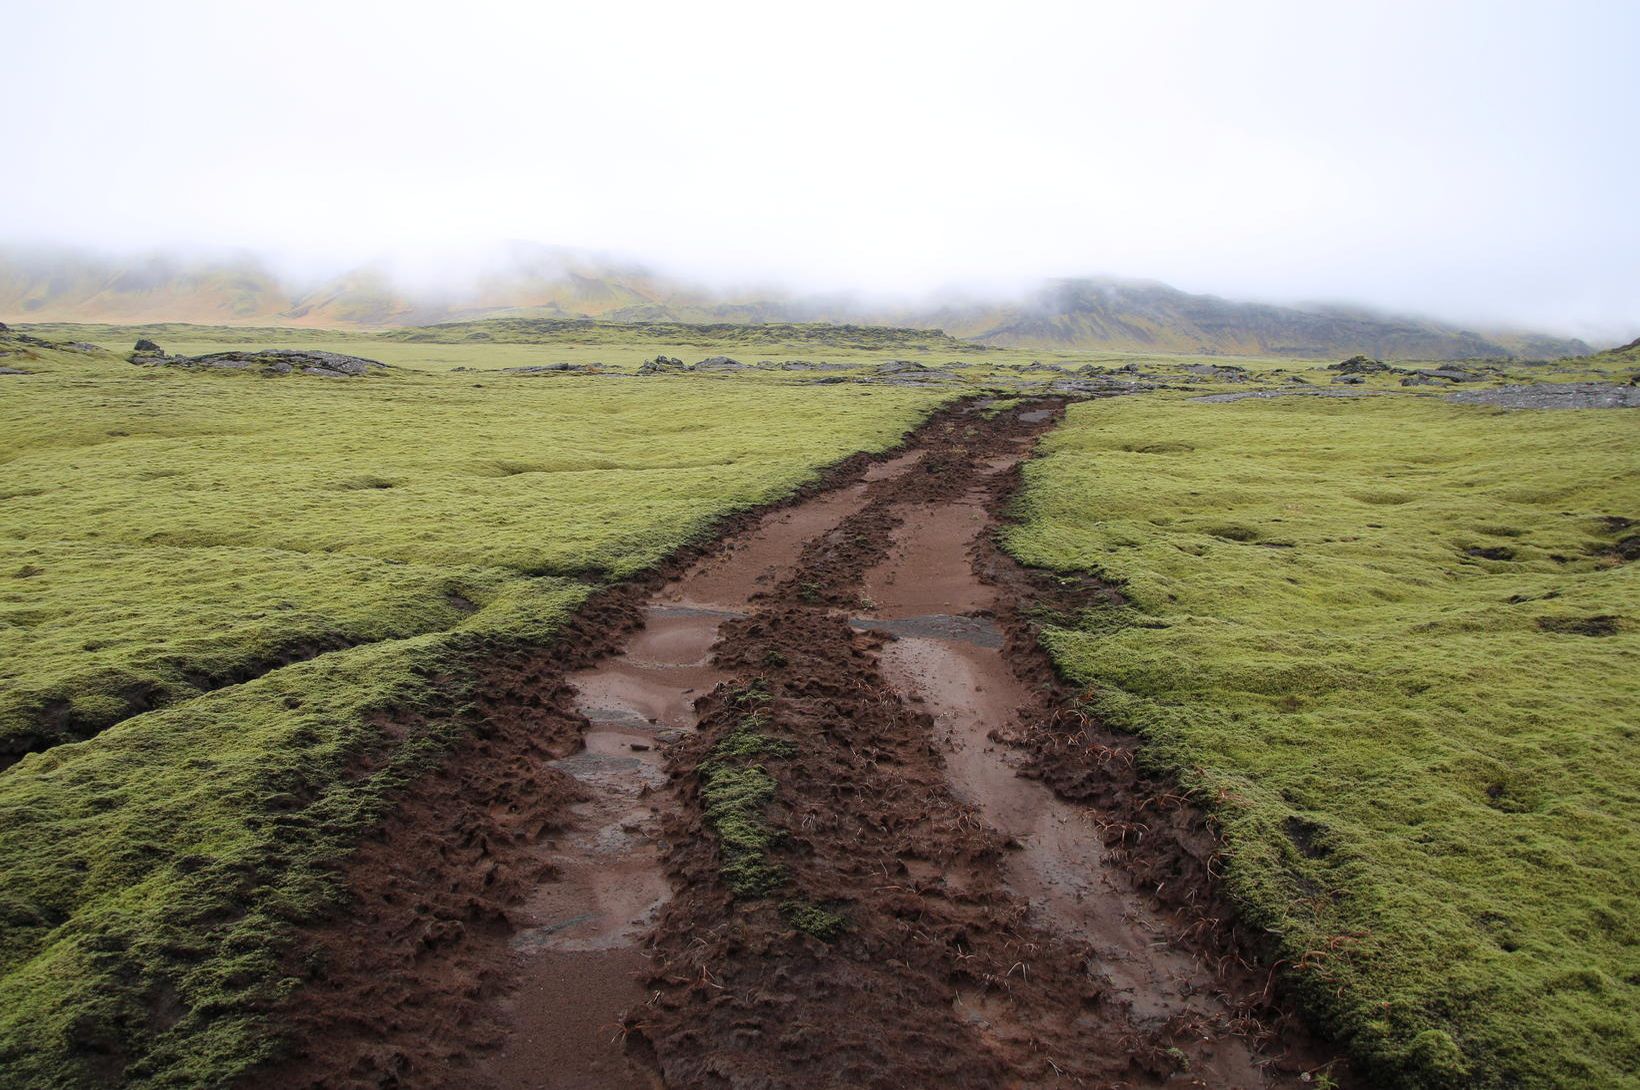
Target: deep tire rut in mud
[815,834]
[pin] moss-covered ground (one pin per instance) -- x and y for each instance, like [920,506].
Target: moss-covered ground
[170,538]
[1393,645]
[1390,641]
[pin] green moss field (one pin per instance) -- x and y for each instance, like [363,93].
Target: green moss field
[1389,642]
[172,539]
[1392,644]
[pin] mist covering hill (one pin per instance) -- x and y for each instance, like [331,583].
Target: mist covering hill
[541,282]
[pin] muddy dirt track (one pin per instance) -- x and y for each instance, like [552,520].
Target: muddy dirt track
[809,809]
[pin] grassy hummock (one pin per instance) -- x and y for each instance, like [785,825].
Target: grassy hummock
[1394,646]
[734,790]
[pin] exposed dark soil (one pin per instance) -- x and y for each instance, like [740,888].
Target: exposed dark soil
[1604,624]
[810,809]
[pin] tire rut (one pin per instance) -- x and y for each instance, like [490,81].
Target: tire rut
[815,835]
[577,947]
[928,916]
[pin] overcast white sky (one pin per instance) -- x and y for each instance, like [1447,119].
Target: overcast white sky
[1474,160]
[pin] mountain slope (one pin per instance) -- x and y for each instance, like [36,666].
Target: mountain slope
[544,283]
[1627,354]
[1148,316]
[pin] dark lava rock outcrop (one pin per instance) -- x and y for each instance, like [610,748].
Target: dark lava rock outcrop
[1553,395]
[553,369]
[801,365]
[1362,365]
[661,365]
[719,363]
[265,361]
[1218,372]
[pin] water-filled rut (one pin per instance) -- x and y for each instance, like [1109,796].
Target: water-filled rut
[579,960]
[948,656]
[768,828]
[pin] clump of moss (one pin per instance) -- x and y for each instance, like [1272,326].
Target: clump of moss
[751,694]
[734,800]
[811,919]
[747,740]
[734,792]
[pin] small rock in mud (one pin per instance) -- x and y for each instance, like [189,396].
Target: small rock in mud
[1349,380]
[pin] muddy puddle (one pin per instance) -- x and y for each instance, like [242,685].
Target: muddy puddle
[750,565]
[932,918]
[947,657]
[579,934]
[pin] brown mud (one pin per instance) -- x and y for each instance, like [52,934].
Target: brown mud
[405,984]
[1061,867]
[812,810]
[577,944]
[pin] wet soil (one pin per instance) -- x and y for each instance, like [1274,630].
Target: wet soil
[578,934]
[410,980]
[812,810]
